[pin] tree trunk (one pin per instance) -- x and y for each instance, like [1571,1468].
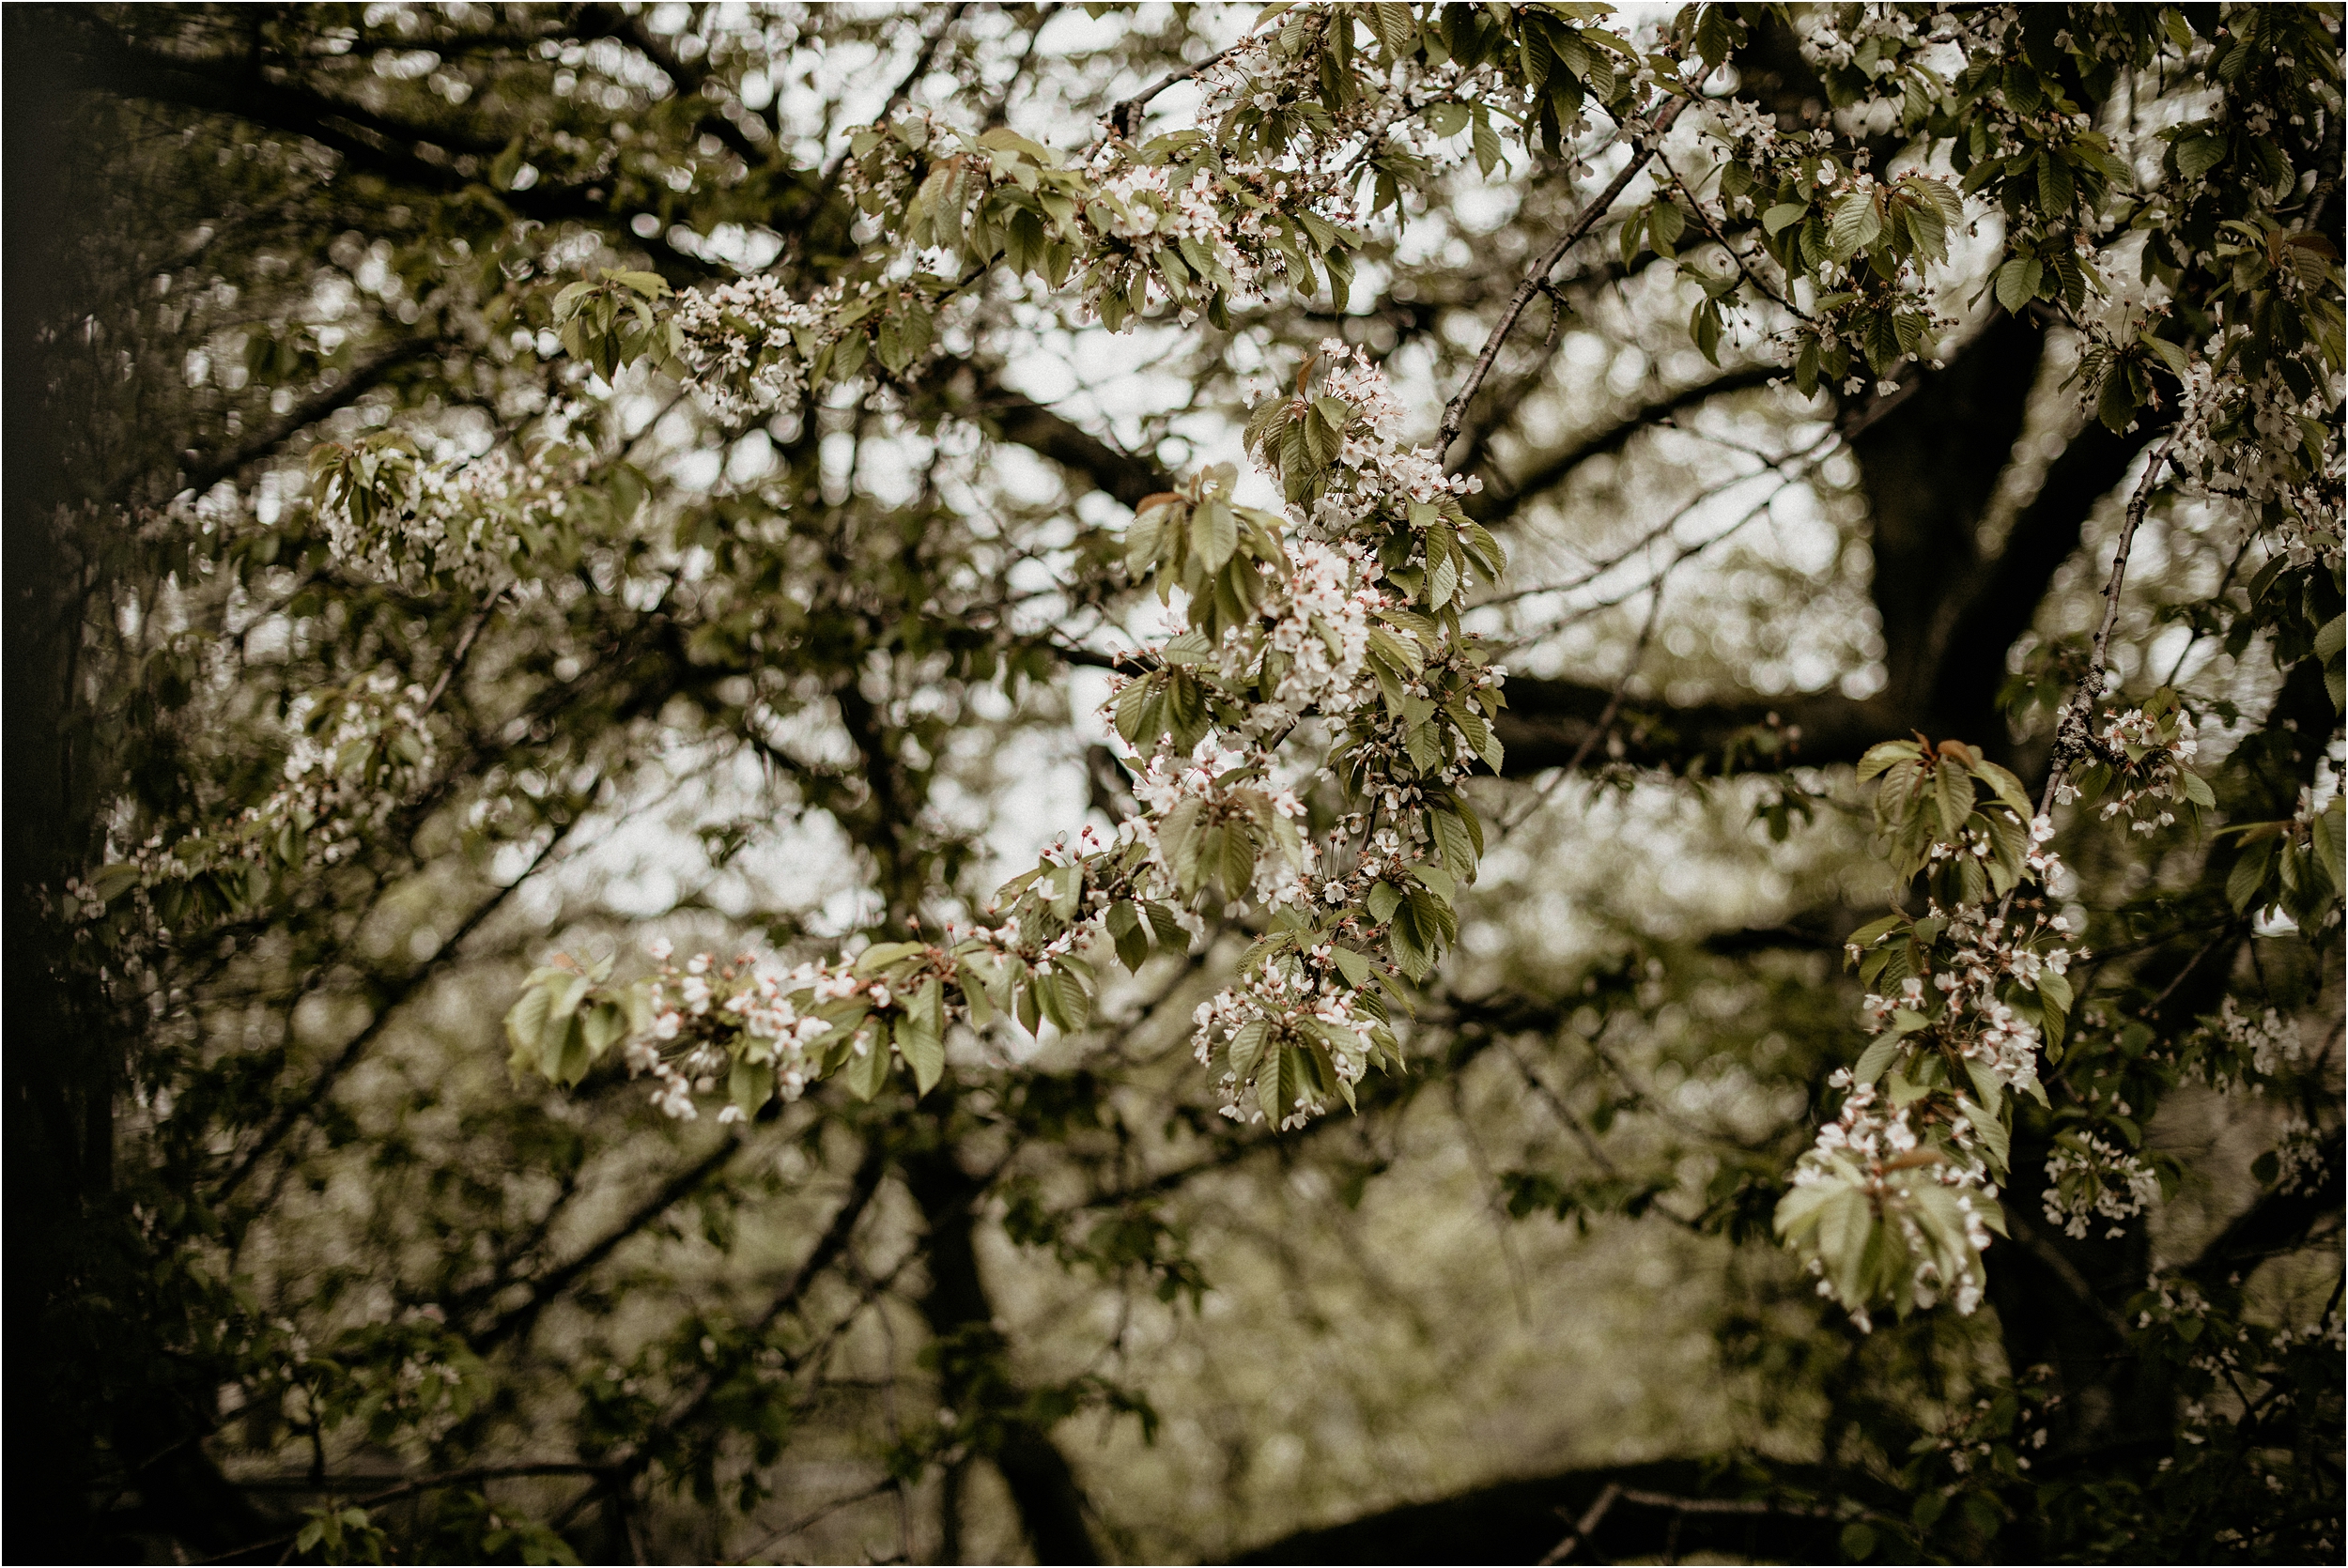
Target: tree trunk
[974,1367]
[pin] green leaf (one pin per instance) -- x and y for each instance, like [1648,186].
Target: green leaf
[1447,117]
[1166,928]
[1452,840]
[2005,786]
[881,955]
[1268,1086]
[2246,882]
[975,998]
[562,1051]
[2017,283]
[2056,185]
[923,1052]
[1781,216]
[1878,1056]
[1214,533]
[1876,931]
[1991,1131]
[1886,754]
[1665,224]
[750,1085]
[1247,1045]
[1131,938]
[865,1074]
[2054,988]
[1854,223]
[1486,143]
[650,284]
[1952,793]
[524,1021]
[2197,155]
[2330,839]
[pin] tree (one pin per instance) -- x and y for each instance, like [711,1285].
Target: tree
[470,438]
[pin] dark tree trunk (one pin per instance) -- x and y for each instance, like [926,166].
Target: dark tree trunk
[974,1370]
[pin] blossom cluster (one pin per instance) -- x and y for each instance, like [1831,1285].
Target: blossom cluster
[1380,473]
[354,758]
[2244,440]
[392,514]
[1280,189]
[2090,1178]
[748,343]
[2139,767]
[2303,1158]
[1186,796]
[703,1017]
[1958,1026]
[1296,1008]
[1988,953]
[2236,1045]
[1875,1149]
[1314,630]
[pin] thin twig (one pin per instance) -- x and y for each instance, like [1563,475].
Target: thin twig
[831,175]
[430,1484]
[1605,720]
[1721,239]
[2073,736]
[818,1516]
[1629,673]
[1590,1520]
[287,1119]
[464,647]
[1492,1203]
[1455,413]
[1566,1118]
[1803,462]
[1124,117]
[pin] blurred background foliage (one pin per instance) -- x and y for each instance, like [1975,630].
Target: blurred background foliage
[298,1270]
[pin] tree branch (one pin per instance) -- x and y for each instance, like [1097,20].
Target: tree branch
[1124,117]
[405,987]
[688,78]
[518,1320]
[1751,1511]
[2002,602]
[1455,413]
[971,390]
[1500,501]
[363,376]
[2073,739]
[1547,722]
[2275,1224]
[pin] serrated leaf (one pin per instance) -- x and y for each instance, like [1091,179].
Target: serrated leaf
[1354,966]
[2325,832]
[924,1053]
[1885,754]
[2017,283]
[1878,1056]
[1486,144]
[1854,225]
[750,1086]
[2248,880]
